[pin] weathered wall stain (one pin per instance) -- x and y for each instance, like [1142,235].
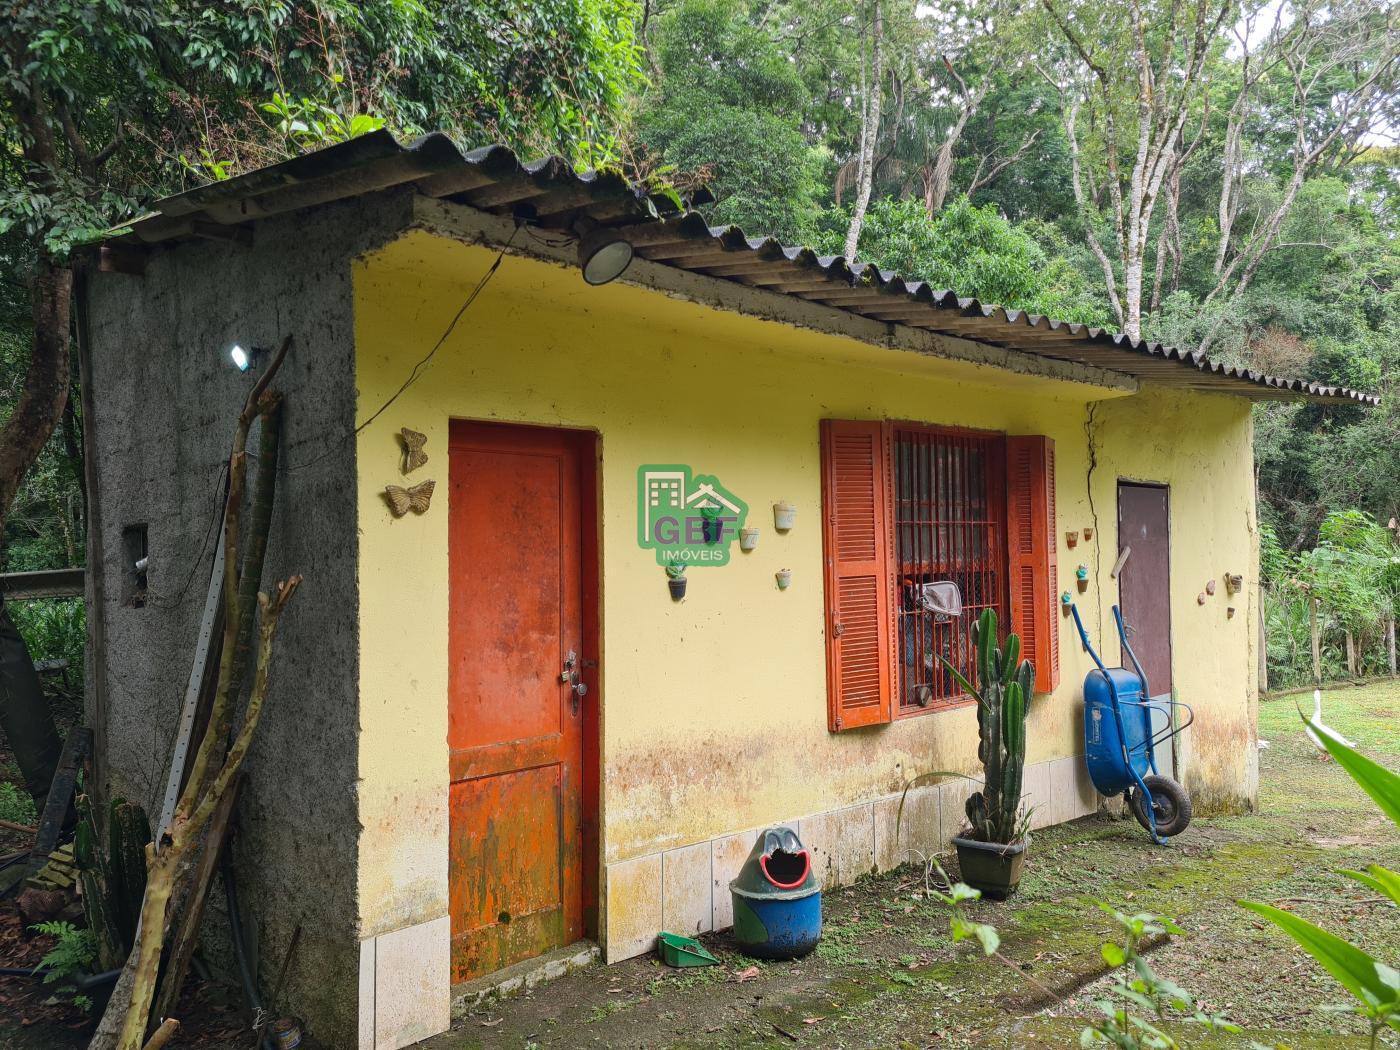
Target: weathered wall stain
[713,709]
[166,398]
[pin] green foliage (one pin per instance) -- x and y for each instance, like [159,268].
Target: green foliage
[1139,993]
[977,252]
[73,954]
[726,110]
[1374,984]
[16,805]
[53,629]
[309,123]
[1353,574]
[1003,689]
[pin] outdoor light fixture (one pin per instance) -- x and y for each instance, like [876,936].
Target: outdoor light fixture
[245,357]
[603,255]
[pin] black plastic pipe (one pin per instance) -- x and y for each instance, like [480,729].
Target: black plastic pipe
[240,950]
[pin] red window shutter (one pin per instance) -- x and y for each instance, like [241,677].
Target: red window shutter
[859,603]
[1030,545]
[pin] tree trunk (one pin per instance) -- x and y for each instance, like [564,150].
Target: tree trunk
[1390,643]
[940,179]
[1316,641]
[1351,653]
[1263,642]
[869,130]
[45,389]
[25,718]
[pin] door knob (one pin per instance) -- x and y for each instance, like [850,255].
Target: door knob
[579,691]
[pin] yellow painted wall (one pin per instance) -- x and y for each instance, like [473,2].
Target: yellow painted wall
[714,709]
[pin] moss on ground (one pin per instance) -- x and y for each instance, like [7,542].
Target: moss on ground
[887,974]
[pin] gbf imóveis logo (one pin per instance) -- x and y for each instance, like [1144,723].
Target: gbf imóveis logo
[686,518]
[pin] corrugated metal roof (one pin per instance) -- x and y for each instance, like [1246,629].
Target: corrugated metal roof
[551,193]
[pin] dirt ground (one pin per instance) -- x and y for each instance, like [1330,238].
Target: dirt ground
[887,975]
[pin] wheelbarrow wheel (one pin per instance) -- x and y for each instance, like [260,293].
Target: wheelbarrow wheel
[1171,806]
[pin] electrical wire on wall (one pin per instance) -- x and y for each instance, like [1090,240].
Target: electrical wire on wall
[418,369]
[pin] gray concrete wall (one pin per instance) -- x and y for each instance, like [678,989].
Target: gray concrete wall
[166,398]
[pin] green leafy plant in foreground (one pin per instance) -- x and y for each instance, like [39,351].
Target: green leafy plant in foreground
[72,955]
[1137,993]
[1375,984]
[1138,987]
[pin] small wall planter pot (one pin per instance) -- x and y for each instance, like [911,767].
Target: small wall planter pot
[677,586]
[784,578]
[990,867]
[784,516]
[748,539]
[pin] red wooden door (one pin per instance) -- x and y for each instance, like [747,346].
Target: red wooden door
[1144,585]
[515,724]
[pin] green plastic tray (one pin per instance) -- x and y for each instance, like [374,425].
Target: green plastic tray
[683,951]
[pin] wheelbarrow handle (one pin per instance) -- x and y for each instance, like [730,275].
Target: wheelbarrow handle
[1128,648]
[1084,638]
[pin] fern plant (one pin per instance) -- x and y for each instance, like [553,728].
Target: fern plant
[72,954]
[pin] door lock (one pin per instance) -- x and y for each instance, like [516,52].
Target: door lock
[570,677]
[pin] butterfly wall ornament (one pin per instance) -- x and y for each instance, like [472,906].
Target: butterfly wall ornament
[416,499]
[413,454]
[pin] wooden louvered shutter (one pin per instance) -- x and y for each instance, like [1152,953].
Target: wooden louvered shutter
[859,603]
[1030,544]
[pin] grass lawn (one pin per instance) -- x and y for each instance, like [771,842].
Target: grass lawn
[887,975]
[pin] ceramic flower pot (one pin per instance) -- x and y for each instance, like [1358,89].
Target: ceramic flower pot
[784,516]
[677,586]
[784,578]
[748,539]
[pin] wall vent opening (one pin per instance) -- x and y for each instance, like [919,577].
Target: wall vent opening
[135,557]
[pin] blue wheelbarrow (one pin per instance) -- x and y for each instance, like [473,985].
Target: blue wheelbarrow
[1120,741]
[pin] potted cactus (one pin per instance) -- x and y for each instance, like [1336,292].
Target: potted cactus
[992,850]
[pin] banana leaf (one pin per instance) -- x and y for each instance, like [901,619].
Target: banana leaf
[1371,981]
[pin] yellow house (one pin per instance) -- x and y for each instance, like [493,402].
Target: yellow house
[494,735]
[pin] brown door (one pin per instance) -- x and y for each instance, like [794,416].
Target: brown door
[1144,585]
[516,716]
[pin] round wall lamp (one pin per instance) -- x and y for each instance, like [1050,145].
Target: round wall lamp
[603,255]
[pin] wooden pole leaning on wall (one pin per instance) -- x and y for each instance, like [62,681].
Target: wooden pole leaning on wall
[185,933]
[216,765]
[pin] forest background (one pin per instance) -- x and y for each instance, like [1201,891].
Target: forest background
[1217,176]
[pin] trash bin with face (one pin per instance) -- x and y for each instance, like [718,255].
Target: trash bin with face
[777,898]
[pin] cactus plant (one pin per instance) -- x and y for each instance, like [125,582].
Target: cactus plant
[111,859]
[1002,692]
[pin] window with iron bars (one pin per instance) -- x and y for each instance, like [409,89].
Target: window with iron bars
[950,525]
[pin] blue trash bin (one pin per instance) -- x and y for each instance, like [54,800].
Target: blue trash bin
[777,899]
